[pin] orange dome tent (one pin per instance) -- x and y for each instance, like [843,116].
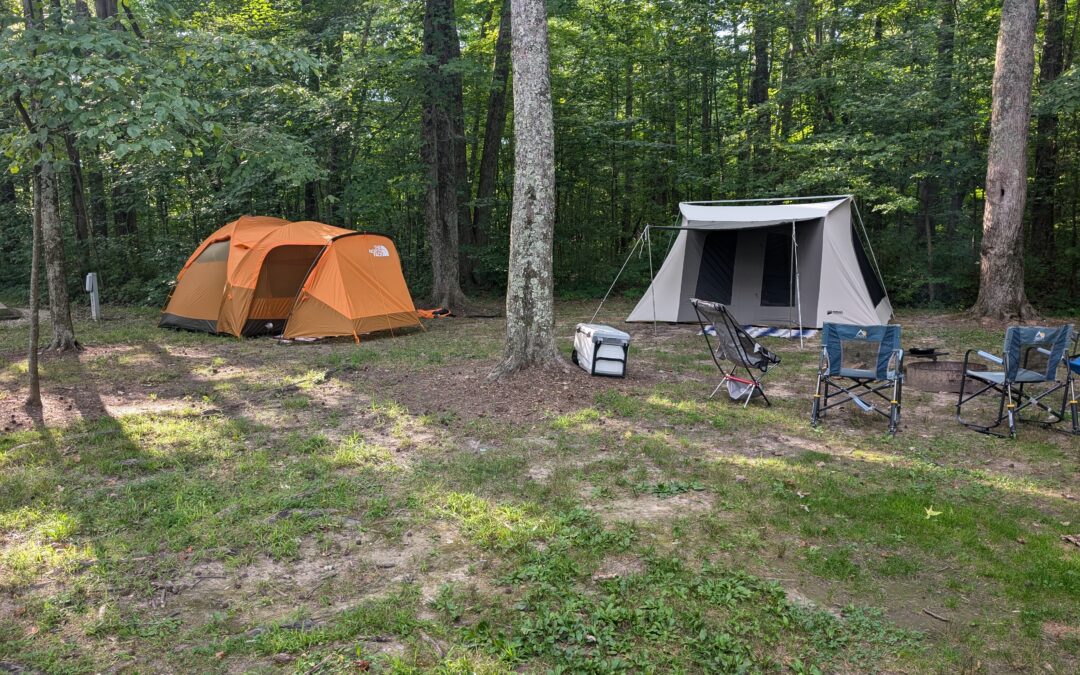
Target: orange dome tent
[305,279]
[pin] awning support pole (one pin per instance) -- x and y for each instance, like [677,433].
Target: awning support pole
[798,293]
[652,277]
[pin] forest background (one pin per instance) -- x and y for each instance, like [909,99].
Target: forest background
[177,117]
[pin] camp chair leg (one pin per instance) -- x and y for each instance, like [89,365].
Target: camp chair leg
[718,387]
[894,406]
[982,428]
[815,412]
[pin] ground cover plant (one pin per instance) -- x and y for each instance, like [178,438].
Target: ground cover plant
[205,504]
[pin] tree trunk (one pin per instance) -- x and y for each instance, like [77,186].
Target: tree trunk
[759,91]
[493,129]
[55,272]
[1001,283]
[530,312]
[33,398]
[98,209]
[439,153]
[78,205]
[1046,124]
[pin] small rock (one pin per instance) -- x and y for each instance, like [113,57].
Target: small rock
[283,658]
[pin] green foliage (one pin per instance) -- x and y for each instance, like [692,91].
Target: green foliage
[312,110]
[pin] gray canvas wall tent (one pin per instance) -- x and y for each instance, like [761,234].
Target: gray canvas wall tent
[784,262]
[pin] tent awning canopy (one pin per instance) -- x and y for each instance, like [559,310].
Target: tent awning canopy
[720,216]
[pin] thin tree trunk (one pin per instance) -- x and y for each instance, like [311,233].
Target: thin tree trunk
[55,272]
[493,129]
[1001,283]
[97,206]
[78,205]
[530,305]
[33,398]
[1046,124]
[438,151]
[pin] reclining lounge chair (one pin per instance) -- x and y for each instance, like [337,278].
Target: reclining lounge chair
[735,345]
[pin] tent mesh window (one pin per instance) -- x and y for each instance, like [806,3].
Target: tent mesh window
[777,276]
[717,272]
[216,252]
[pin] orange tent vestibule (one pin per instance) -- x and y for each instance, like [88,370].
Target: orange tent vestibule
[305,279]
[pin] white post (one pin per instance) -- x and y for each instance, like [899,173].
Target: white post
[95,299]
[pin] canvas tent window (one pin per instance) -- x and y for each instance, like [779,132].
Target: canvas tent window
[216,252]
[717,266]
[777,272]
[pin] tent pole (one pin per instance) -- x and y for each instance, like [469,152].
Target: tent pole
[621,269]
[798,286]
[652,291]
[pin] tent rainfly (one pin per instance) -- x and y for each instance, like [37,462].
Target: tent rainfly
[305,279]
[797,263]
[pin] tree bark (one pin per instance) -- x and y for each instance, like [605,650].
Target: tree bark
[1046,171]
[439,149]
[53,239]
[530,312]
[1001,283]
[493,129]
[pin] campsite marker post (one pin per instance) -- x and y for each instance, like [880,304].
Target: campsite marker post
[95,298]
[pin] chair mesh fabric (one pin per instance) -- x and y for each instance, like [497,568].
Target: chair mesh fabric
[733,343]
[1022,350]
[866,350]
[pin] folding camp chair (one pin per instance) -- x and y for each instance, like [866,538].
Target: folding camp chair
[1032,358]
[735,345]
[858,363]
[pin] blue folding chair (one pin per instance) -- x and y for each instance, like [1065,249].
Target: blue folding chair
[1031,359]
[860,364]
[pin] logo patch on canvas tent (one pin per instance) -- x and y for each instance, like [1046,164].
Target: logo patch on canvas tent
[379,251]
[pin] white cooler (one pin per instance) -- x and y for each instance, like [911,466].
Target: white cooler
[601,350]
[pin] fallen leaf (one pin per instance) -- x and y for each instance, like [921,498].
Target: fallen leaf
[1071,538]
[930,512]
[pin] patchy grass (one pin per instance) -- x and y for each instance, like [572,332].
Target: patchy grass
[206,504]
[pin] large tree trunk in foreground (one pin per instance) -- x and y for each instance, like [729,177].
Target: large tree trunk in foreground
[438,151]
[33,398]
[530,315]
[53,240]
[1001,283]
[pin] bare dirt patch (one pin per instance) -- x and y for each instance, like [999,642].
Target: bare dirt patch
[649,508]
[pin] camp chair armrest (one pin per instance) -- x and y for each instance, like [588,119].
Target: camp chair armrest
[986,355]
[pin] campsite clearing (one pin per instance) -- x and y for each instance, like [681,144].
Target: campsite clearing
[201,503]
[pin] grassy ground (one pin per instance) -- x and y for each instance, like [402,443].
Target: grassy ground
[205,504]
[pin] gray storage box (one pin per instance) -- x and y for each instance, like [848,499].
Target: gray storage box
[601,350]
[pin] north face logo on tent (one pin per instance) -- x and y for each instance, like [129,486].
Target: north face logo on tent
[1040,335]
[861,333]
[379,251]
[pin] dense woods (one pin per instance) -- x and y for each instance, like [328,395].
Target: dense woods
[159,121]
